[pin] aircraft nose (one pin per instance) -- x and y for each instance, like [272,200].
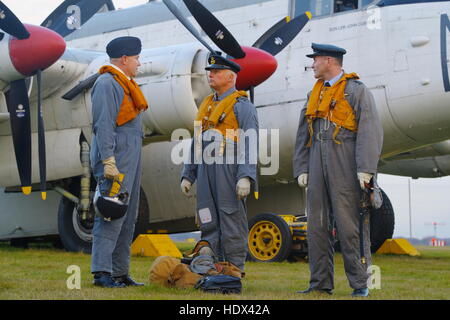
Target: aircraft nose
[256,67]
[43,48]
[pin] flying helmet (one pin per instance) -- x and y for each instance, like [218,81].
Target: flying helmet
[111,207]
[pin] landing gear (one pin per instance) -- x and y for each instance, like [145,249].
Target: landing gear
[275,238]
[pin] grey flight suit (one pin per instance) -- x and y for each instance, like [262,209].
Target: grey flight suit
[333,191]
[222,217]
[112,239]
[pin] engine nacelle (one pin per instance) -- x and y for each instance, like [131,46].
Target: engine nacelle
[430,167]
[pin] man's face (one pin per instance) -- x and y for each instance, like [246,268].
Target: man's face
[218,78]
[131,65]
[321,66]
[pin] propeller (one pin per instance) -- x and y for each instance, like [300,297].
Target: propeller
[281,34]
[257,62]
[72,14]
[31,50]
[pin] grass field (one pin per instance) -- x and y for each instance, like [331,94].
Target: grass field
[40,273]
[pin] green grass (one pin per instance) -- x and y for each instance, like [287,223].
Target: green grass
[40,273]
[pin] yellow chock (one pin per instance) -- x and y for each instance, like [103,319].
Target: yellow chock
[155,245]
[398,246]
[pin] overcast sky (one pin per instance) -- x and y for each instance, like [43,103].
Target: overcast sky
[430,201]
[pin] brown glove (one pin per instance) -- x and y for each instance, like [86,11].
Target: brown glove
[110,169]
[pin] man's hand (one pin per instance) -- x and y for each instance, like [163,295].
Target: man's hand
[243,187]
[110,169]
[364,178]
[185,187]
[302,180]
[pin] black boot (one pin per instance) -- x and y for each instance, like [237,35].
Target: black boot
[312,290]
[104,279]
[127,281]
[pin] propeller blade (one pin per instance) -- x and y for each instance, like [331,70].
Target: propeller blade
[11,24]
[19,110]
[185,22]
[215,30]
[284,21]
[72,14]
[281,37]
[41,138]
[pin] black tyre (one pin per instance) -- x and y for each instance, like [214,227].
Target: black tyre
[75,234]
[269,238]
[382,222]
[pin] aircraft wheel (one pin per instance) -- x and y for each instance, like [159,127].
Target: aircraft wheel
[269,238]
[75,233]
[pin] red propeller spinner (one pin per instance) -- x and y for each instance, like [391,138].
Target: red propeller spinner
[256,67]
[43,48]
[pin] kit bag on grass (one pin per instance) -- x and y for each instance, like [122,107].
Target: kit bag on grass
[220,284]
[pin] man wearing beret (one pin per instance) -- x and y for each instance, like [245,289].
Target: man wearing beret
[117,106]
[224,183]
[337,149]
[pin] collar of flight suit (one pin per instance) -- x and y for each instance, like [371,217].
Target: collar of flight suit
[224,95]
[335,79]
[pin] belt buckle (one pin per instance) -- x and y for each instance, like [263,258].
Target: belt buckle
[319,136]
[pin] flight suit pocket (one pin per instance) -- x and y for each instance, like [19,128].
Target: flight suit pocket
[229,207]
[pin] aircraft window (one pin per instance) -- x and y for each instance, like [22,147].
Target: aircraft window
[365,3]
[345,5]
[383,3]
[316,7]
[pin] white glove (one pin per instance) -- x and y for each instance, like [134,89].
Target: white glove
[364,178]
[243,187]
[186,187]
[110,170]
[302,180]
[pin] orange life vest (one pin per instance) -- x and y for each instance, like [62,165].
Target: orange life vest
[330,103]
[219,115]
[133,100]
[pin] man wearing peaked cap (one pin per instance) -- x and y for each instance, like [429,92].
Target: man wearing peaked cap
[338,145]
[221,63]
[326,50]
[117,106]
[223,174]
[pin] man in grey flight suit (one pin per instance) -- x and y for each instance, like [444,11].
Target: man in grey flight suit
[222,186]
[115,149]
[335,168]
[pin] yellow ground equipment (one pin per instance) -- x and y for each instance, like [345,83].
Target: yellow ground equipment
[398,246]
[155,245]
[277,237]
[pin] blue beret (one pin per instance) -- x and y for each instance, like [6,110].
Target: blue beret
[326,50]
[219,62]
[124,46]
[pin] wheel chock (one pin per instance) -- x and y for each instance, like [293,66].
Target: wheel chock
[155,245]
[398,246]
